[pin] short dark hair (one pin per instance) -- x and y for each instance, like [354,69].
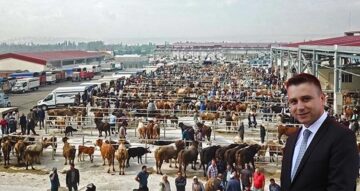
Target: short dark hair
[143,167]
[272,180]
[303,78]
[72,164]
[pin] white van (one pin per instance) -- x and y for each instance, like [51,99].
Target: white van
[25,85]
[62,96]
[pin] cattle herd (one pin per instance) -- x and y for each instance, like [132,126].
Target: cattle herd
[208,95]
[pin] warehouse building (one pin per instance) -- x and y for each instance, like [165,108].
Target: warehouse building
[40,61]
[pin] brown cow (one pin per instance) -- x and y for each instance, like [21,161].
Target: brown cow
[287,130]
[122,156]
[167,153]
[20,147]
[86,150]
[6,148]
[207,116]
[107,152]
[187,156]
[205,130]
[142,130]
[212,184]
[68,151]
[52,141]
[274,149]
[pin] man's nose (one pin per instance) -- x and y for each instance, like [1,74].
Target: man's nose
[300,105]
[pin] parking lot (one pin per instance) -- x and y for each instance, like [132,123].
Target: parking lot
[27,100]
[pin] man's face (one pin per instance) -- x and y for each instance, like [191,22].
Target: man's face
[306,103]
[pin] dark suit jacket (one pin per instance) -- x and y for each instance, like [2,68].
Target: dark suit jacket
[330,162]
[68,177]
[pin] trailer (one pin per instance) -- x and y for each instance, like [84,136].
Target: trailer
[6,110]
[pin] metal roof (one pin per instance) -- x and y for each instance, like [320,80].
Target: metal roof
[342,41]
[44,57]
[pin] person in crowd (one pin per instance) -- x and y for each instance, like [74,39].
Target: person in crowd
[228,173]
[85,98]
[246,177]
[12,123]
[197,185]
[112,122]
[23,123]
[262,133]
[180,182]
[41,117]
[54,180]
[30,123]
[212,171]
[259,180]
[142,179]
[202,106]
[165,184]
[151,108]
[233,184]
[72,178]
[34,116]
[273,186]
[241,131]
[4,124]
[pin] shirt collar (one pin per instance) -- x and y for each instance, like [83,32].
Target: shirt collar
[317,124]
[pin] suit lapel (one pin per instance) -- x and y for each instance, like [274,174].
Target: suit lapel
[292,143]
[319,134]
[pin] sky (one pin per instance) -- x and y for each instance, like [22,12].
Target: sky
[159,21]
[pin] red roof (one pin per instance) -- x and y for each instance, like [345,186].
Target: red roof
[342,41]
[44,57]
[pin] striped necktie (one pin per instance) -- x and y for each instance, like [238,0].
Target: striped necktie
[302,150]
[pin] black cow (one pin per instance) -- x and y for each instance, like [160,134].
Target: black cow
[136,152]
[69,130]
[206,155]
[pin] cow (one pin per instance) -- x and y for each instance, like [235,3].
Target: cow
[188,156]
[107,152]
[136,152]
[219,154]
[32,154]
[206,155]
[122,155]
[20,147]
[68,151]
[85,150]
[167,153]
[229,154]
[246,155]
[69,130]
[52,141]
[101,126]
[287,130]
[274,149]
[205,130]
[6,148]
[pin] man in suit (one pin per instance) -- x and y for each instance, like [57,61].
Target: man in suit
[72,178]
[322,155]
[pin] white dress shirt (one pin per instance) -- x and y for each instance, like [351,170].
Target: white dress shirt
[313,128]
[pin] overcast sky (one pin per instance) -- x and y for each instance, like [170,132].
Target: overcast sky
[177,20]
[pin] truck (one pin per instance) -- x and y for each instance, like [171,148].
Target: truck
[40,75]
[6,110]
[4,100]
[84,73]
[25,85]
[50,77]
[63,96]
